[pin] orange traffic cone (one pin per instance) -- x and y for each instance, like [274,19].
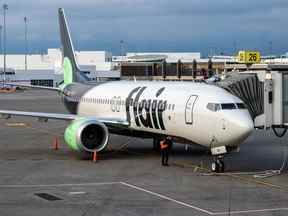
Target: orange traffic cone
[56,143]
[94,156]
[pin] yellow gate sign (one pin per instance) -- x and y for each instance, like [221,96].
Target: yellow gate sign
[249,57]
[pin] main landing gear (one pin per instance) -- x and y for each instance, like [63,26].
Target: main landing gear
[218,165]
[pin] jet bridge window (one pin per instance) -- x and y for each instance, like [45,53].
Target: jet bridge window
[241,106]
[228,106]
[213,107]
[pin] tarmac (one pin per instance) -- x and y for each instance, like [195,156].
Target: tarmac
[128,178]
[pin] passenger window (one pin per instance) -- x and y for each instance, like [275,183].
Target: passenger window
[228,106]
[213,107]
[173,106]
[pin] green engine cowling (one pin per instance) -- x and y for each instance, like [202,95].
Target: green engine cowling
[86,135]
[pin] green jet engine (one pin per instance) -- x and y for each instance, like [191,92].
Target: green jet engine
[86,135]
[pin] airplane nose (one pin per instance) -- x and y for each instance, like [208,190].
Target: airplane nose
[236,127]
[245,127]
[242,126]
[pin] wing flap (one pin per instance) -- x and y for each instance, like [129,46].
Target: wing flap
[35,87]
[43,117]
[9,113]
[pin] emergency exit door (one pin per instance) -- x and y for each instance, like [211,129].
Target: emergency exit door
[189,109]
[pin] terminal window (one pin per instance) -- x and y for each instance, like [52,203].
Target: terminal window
[44,82]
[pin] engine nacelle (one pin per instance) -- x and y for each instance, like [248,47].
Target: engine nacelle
[86,134]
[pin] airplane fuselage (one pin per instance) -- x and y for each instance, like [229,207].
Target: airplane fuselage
[178,109]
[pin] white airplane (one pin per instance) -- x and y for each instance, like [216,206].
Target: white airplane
[189,112]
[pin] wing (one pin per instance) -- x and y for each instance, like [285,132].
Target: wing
[6,114]
[34,86]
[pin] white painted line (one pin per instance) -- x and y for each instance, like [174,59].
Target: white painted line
[251,211]
[143,190]
[59,185]
[167,198]
[77,192]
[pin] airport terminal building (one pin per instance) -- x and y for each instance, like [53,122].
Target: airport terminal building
[45,69]
[170,65]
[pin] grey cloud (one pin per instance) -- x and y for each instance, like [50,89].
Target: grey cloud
[161,22]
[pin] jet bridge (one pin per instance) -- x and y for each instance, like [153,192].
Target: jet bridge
[264,90]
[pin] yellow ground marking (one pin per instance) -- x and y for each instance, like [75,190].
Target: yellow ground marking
[16,124]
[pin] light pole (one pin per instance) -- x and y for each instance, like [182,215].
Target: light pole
[270,48]
[5,7]
[122,51]
[1,50]
[26,43]
[122,54]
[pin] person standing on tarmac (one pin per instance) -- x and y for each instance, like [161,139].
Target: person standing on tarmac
[165,146]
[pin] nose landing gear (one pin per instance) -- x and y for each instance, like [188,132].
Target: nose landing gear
[218,165]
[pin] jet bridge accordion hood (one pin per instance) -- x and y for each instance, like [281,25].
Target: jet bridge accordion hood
[248,88]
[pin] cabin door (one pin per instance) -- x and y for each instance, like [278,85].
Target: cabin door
[189,109]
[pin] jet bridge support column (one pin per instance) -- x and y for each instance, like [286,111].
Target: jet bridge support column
[268,99]
[265,120]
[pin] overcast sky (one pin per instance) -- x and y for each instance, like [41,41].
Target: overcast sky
[152,25]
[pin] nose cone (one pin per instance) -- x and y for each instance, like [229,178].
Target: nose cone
[235,128]
[241,126]
[245,127]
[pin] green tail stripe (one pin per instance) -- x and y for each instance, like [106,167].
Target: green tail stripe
[68,71]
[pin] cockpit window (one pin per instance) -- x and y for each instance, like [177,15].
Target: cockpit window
[241,106]
[225,106]
[228,106]
[213,107]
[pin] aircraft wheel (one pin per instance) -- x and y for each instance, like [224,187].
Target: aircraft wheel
[214,166]
[218,165]
[222,166]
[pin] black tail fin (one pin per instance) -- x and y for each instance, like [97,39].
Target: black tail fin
[72,73]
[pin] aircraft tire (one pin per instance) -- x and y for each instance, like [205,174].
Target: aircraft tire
[218,166]
[222,166]
[213,166]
